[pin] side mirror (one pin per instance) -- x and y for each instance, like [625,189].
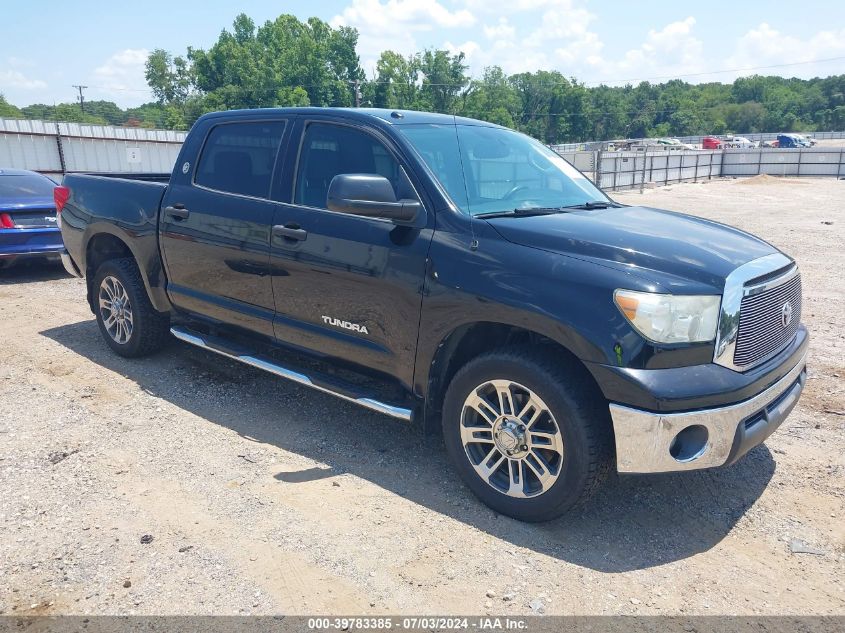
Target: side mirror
[371,196]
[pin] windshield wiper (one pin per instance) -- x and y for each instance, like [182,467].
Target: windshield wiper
[522,212]
[593,204]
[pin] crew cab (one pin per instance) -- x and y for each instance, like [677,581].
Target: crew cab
[454,274]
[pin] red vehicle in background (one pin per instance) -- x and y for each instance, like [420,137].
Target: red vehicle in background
[711,142]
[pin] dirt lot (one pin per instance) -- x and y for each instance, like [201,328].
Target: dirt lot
[830,142]
[264,497]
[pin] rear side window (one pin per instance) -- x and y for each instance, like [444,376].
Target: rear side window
[329,150]
[239,158]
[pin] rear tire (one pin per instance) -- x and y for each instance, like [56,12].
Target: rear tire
[530,437]
[128,322]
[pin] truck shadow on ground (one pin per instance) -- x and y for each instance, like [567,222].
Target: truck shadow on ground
[634,523]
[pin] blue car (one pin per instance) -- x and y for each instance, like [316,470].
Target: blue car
[28,226]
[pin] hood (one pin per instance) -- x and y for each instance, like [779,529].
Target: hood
[678,246]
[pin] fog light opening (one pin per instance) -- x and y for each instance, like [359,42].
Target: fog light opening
[689,444]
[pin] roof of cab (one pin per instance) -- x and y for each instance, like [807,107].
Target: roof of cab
[393,117]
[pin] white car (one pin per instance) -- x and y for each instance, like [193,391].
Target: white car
[673,143]
[739,142]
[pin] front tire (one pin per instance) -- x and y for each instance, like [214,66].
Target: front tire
[529,436]
[126,317]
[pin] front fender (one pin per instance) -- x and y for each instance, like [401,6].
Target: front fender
[563,298]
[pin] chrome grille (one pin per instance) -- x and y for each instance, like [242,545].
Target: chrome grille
[762,332]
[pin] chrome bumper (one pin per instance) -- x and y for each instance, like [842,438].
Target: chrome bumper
[70,267]
[644,439]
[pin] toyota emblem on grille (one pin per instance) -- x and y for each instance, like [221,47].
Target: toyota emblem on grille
[786,314]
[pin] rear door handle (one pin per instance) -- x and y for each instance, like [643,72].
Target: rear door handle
[177,212]
[290,232]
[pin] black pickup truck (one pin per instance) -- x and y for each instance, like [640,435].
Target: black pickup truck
[435,268]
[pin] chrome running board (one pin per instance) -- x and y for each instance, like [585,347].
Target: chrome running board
[320,383]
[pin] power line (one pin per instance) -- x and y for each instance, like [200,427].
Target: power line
[719,72]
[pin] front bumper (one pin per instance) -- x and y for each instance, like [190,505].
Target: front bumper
[652,442]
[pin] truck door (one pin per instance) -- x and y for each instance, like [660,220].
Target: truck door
[347,287]
[215,225]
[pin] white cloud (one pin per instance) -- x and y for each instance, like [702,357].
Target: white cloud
[121,77]
[562,21]
[468,48]
[556,36]
[20,62]
[500,7]
[392,24]
[16,79]
[766,46]
[672,51]
[500,30]
[564,35]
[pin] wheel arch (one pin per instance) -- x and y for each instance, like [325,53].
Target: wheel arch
[470,340]
[105,241]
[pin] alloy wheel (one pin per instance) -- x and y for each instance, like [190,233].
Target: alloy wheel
[511,438]
[116,310]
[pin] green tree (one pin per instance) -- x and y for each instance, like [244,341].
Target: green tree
[8,111]
[70,112]
[443,79]
[492,98]
[170,78]
[106,110]
[149,115]
[397,82]
[264,67]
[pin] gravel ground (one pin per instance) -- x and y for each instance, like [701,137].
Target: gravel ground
[831,142]
[184,484]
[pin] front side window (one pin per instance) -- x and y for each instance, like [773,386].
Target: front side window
[239,158]
[490,170]
[329,150]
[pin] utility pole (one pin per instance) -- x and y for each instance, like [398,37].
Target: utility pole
[357,86]
[81,97]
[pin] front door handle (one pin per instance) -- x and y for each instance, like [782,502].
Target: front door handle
[290,232]
[177,212]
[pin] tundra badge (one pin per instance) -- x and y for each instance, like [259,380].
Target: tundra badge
[346,325]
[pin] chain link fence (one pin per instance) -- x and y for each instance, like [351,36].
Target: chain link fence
[805,161]
[616,171]
[757,137]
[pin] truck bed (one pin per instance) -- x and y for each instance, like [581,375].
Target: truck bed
[125,209]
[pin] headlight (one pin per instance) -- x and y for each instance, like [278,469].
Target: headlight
[670,318]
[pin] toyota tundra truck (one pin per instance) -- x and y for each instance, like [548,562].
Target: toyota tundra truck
[452,273]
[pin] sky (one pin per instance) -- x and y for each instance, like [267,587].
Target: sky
[48,46]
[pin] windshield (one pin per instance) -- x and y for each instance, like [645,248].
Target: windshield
[490,170]
[26,186]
